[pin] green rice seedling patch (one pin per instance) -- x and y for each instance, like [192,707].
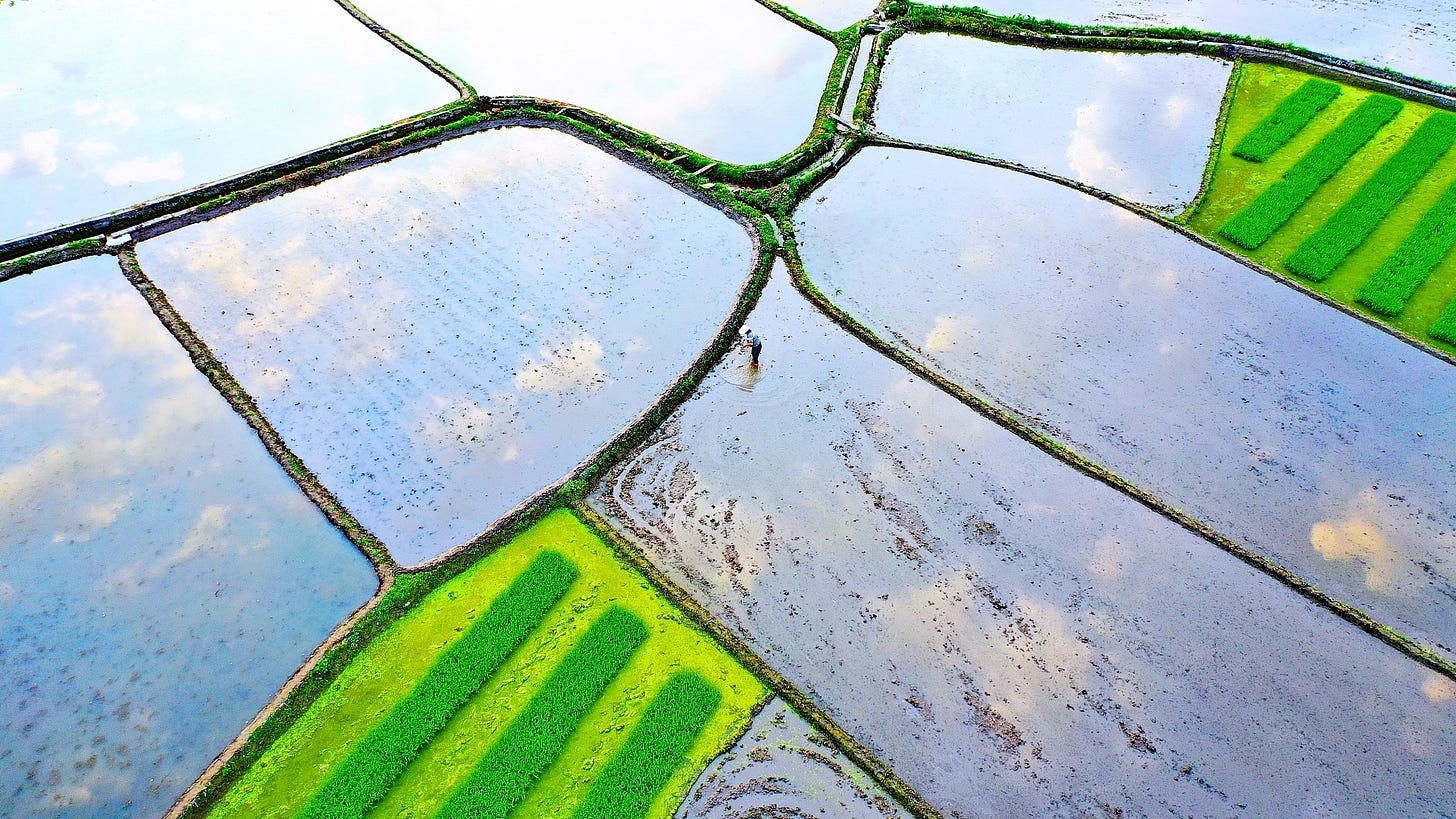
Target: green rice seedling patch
[387,670]
[1288,118]
[1319,254]
[536,737]
[1389,290]
[654,750]
[1235,183]
[1445,327]
[372,767]
[1252,226]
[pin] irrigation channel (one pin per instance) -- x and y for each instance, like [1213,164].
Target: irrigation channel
[508,325]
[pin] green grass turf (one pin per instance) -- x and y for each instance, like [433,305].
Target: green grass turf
[1319,254]
[1403,272]
[1234,183]
[655,750]
[537,737]
[384,672]
[373,766]
[1288,118]
[1252,226]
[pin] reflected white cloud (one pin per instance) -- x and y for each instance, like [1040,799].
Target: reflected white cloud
[69,388]
[571,366]
[144,169]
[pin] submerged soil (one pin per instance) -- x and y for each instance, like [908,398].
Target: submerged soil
[1011,637]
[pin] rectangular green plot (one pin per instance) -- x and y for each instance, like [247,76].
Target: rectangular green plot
[538,735]
[1288,118]
[1445,327]
[371,769]
[1251,227]
[655,750]
[1322,251]
[1404,271]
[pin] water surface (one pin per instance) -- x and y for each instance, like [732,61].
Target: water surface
[160,575]
[1312,437]
[728,78]
[1010,636]
[441,336]
[1411,36]
[1137,125]
[104,105]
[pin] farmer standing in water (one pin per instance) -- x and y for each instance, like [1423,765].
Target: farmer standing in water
[750,339]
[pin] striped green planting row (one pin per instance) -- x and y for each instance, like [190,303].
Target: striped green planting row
[1251,227]
[654,750]
[1288,118]
[539,734]
[375,764]
[1322,251]
[1404,271]
[1445,326]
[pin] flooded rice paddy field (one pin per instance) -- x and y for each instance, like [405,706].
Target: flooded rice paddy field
[1313,438]
[1410,36]
[1137,125]
[782,767]
[441,336]
[728,78]
[1011,637]
[103,105]
[160,575]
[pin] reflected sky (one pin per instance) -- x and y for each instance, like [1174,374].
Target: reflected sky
[1137,125]
[103,105]
[1412,36]
[728,78]
[441,336]
[1012,637]
[1318,440]
[160,576]
[833,14]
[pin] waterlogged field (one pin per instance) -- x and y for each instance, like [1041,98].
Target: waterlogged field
[440,337]
[1357,202]
[576,690]
[1137,125]
[783,767]
[1316,440]
[728,78]
[160,576]
[1013,638]
[1410,36]
[103,106]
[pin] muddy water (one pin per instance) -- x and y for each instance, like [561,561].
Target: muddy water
[782,767]
[441,336]
[1412,36]
[103,105]
[1312,437]
[1138,125]
[160,576]
[1013,638]
[728,78]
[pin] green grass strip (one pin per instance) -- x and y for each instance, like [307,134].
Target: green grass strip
[654,751]
[1288,118]
[1404,271]
[1251,227]
[375,764]
[1445,326]
[536,738]
[1323,251]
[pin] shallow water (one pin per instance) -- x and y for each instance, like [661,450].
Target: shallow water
[856,77]
[103,105]
[728,78]
[833,14]
[1412,36]
[160,576]
[1312,437]
[1137,125]
[783,767]
[1013,638]
[441,336]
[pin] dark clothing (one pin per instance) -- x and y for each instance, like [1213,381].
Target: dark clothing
[757,348]
[757,345]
